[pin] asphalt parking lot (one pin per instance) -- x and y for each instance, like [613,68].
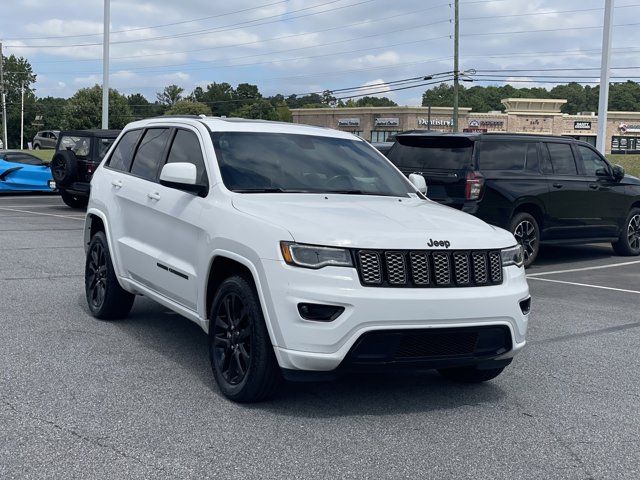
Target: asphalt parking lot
[80,398]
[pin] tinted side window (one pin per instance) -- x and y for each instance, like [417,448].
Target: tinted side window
[562,159]
[502,155]
[149,154]
[123,154]
[532,164]
[591,161]
[186,148]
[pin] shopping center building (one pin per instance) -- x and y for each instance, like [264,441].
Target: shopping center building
[521,115]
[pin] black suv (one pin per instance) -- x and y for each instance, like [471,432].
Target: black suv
[543,189]
[78,153]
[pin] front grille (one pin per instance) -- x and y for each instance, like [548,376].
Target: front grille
[426,268]
[427,345]
[437,344]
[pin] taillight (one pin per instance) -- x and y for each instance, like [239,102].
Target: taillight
[473,189]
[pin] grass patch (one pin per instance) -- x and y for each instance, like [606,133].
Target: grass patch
[631,163]
[45,155]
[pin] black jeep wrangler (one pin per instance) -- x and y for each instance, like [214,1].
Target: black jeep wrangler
[78,153]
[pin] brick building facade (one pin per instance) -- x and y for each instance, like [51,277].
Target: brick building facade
[521,115]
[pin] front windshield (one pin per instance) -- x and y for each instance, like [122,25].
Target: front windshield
[281,162]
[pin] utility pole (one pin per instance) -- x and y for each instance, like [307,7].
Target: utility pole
[105,67]
[4,100]
[456,72]
[603,102]
[22,115]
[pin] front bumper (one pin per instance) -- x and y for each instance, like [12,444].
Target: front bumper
[323,346]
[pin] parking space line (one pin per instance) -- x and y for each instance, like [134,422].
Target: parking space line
[583,269]
[40,213]
[584,285]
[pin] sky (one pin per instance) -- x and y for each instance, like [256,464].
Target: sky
[297,47]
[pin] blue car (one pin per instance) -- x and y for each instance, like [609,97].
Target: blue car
[22,172]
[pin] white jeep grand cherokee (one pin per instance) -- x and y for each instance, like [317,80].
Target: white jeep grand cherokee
[302,252]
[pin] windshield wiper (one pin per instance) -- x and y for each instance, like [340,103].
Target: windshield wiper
[269,190]
[360,192]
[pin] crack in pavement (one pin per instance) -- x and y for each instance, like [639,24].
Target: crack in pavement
[93,441]
[591,333]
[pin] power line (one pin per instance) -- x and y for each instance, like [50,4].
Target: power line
[211,30]
[151,68]
[53,37]
[164,53]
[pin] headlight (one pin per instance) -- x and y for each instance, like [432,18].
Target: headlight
[512,256]
[311,256]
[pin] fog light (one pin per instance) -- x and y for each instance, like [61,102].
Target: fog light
[525,306]
[318,312]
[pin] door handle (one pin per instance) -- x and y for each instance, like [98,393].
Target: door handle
[153,195]
[116,183]
[593,186]
[558,185]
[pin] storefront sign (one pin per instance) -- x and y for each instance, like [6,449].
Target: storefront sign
[348,122]
[581,125]
[387,122]
[629,128]
[486,123]
[435,122]
[474,130]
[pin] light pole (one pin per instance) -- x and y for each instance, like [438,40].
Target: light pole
[603,101]
[105,68]
[456,73]
[22,115]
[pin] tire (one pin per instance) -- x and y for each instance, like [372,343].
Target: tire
[74,201]
[470,374]
[242,357]
[64,167]
[527,232]
[106,299]
[36,146]
[628,243]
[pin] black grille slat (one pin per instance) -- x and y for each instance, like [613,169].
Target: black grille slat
[396,268]
[429,268]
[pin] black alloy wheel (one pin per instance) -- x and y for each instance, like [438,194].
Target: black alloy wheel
[240,349]
[96,276]
[106,299]
[232,338]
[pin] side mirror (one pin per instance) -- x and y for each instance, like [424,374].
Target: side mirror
[419,182]
[602,172]
[618,172]
[182,176]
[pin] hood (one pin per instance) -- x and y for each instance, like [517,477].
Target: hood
[360,221]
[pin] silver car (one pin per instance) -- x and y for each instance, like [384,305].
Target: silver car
[45,139]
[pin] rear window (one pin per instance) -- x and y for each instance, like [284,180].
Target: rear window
[431,153]
[514,156]
[81,146]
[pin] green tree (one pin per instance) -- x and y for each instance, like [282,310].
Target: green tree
[260,109]
[189,107]
[143,108]
[51,109]
[375,102]
[170,95]
[84,109]
[18,70]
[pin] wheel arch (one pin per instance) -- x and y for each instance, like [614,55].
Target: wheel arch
[224,264]
[533,208]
